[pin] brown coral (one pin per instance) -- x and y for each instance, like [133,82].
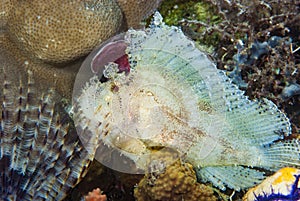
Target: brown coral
[137,10]
[176,183]
[43,73]
[61,30]
[5,7]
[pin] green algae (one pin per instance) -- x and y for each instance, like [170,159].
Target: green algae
[175,11]
[195,18]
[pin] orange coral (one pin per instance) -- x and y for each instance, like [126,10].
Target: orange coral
[95,195]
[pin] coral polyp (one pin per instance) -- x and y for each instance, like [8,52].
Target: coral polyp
[175,97]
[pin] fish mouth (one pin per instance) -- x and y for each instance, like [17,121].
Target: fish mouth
[112,50]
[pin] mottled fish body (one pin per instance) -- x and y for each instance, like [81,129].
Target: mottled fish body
[174,96]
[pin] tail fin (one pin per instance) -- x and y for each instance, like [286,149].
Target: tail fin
[240,177]
[282,154]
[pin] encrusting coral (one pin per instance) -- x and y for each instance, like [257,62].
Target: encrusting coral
[175,183]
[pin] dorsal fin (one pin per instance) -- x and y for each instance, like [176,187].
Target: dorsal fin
[168,51]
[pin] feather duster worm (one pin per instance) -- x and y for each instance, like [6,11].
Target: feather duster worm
[41,156]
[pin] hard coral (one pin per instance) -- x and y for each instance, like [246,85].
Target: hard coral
[44,73]
[137,10]
[5,7]
[60,31]
[176,183]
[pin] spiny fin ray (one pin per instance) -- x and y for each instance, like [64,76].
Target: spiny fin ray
[240,177]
